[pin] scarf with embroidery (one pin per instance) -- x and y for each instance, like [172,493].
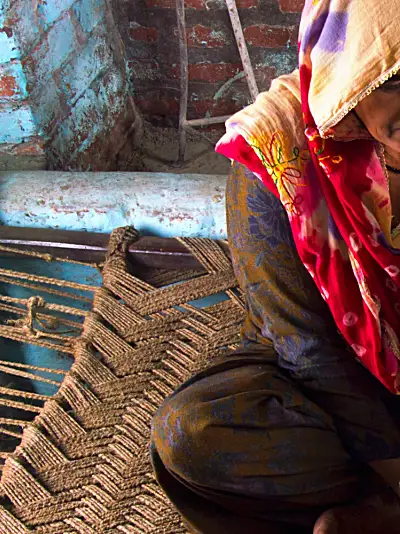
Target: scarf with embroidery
[303,141]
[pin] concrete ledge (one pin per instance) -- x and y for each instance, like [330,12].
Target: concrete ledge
[165,205]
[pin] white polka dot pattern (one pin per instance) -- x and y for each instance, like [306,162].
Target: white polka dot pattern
[350,319]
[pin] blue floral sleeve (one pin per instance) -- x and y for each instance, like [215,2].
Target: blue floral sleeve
[285,309]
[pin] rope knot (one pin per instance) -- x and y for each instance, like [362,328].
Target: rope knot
[32,305]
[36,302]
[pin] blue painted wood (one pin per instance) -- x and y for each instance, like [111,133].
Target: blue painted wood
[31,354]
[159,204]
[163,205]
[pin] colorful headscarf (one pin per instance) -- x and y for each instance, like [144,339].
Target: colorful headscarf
[301,139]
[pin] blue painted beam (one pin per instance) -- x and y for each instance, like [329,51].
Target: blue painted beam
[160,204]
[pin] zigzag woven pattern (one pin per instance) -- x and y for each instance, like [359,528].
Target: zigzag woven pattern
[83,464]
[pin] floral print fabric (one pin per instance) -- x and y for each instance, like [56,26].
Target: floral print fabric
[335,193]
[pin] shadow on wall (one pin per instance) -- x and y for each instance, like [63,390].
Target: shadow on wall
[64,95]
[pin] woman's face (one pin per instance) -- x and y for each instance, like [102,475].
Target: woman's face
[380,113]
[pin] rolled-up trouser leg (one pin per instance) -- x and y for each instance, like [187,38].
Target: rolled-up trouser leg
[242,436]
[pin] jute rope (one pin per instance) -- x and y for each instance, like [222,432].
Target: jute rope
[42,321]
[33,367]
[46,280]
[43,289]
[50,321]
[83,464]
[44,256]
[43,304]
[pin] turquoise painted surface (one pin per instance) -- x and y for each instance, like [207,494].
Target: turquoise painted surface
[51,10]
[89,13]
[88,92]
[77,133]
[94,59]
[160,204]
[53,51]
[31,354]
[27,27]
[45,102]
[16,123]
[4,8]
[8,48]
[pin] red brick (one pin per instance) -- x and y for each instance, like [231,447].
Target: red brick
[34,146]
[264,76]
[270,36]
[209,72]
[213,108]
[201,4]
[171,4]
[162,106]
[143,33]
[194,4]
[213,72]
[202,37]
[246,4]
[8,86]
[291,6]
[144,69]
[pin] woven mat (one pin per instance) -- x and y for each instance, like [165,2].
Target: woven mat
[83,464]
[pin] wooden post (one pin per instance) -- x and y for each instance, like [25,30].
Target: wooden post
[241,43]
[183,53]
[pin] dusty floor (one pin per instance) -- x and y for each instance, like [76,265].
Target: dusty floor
[158,152]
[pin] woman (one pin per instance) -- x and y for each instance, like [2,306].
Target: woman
[299,431]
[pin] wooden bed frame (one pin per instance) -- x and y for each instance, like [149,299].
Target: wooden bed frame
[152,252]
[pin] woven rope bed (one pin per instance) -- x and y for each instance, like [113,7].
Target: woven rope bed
[82,464]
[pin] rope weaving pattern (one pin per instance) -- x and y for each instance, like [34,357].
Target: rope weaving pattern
[42,318]
[83,464]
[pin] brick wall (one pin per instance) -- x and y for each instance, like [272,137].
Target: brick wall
[18,131]
[217,84]
[63,83]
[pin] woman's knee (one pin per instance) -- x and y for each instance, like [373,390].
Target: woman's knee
[177,430]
